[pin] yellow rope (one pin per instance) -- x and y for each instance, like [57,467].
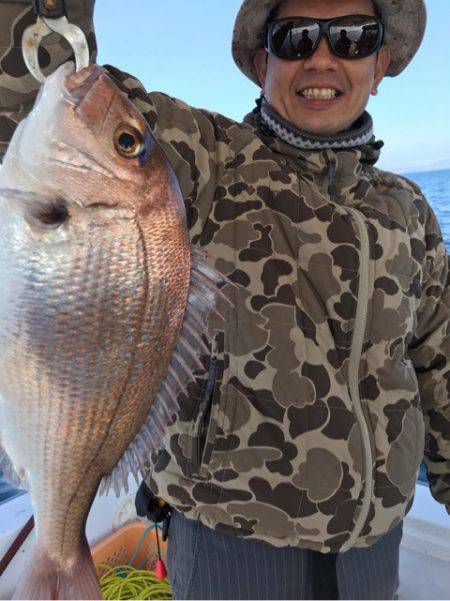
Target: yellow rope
[125,582]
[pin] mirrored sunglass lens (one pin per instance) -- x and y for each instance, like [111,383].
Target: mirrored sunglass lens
[354,37]
[294,38]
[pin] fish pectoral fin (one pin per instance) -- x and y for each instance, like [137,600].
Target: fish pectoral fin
[203,293]
[10,473]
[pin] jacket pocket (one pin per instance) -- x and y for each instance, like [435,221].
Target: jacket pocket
[204,431]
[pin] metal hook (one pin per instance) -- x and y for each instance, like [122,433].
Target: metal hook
[34,34]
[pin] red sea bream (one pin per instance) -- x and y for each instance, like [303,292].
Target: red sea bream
[102,304]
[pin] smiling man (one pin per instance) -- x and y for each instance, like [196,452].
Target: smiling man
[293,459]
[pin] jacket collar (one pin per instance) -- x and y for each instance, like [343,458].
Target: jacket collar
[339,167]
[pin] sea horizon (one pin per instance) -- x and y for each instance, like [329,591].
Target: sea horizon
[418,171]
[435,186]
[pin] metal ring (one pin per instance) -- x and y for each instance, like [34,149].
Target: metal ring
[34,34]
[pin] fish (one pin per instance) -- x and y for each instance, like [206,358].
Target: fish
[104,305]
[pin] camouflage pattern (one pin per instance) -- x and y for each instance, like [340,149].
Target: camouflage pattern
[17,86]
[269,443]
[404,20]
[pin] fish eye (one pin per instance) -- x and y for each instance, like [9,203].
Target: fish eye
[128,141]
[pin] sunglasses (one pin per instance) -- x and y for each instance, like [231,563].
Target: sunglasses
[350,37]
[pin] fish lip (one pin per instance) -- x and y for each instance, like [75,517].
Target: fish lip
[78,84]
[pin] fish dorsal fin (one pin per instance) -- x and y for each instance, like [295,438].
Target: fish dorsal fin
[203,292]
[9,473]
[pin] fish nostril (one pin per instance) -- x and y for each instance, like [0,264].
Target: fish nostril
[52,214]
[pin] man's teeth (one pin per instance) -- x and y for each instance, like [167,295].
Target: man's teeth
[322,93]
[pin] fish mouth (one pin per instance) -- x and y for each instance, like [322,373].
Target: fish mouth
[78,84]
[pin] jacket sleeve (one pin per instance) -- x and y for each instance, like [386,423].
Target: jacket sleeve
[429,351]
[18,88]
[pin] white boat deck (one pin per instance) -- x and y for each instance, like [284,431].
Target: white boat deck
[422,576]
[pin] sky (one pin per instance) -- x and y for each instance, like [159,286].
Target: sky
[183,48]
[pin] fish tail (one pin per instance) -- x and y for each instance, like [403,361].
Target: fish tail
[44,580]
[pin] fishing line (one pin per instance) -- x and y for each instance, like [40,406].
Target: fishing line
[139,545]
[128,582]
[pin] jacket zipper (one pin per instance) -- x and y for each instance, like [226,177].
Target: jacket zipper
[355,358]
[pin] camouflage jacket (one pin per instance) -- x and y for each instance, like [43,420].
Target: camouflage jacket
[329,380]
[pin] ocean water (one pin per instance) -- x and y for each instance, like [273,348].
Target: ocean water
[436,187]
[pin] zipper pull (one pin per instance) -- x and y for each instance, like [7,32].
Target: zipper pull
[331,175]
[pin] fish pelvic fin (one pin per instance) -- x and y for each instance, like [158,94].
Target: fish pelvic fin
[44,580]
[205,288]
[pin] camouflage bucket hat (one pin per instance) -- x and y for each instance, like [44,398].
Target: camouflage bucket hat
[404,22]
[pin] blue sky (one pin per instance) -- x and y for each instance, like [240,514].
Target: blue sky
[182,47]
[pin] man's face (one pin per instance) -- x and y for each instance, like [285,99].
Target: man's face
[284,81]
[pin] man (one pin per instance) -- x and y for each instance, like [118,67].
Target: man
[293,459]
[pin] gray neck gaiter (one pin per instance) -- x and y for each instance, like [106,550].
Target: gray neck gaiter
[359,134]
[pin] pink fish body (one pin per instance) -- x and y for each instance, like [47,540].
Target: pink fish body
[101,309]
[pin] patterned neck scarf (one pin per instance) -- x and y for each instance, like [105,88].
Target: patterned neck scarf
[360,133]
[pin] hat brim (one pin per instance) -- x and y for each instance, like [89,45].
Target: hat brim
[404,21]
